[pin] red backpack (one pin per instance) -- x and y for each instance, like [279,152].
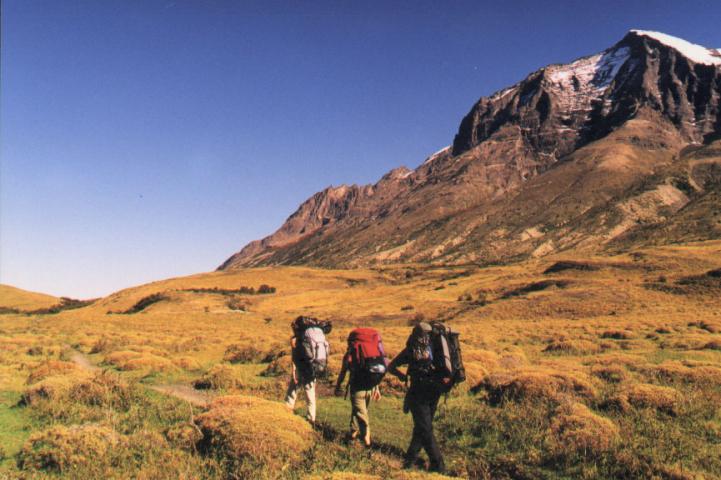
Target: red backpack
[367,358]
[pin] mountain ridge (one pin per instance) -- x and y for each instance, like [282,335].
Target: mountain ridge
[642,99]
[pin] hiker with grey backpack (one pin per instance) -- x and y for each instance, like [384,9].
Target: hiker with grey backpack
[435,366]
[309,354]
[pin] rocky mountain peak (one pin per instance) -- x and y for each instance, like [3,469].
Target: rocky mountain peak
[643,100]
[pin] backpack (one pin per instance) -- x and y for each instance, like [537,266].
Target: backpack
[313,348]
[367,358]
[435,356]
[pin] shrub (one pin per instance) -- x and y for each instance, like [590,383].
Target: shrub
[62,448]
[276,368]
[618,334]
[145,302]
[253,430]
[237,304]
[266,289]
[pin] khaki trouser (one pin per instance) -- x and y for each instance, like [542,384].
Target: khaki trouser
[292,394]
[359,418]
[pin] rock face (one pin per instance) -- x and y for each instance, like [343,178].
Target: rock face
[584,155]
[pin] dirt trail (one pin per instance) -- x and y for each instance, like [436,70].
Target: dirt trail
[177,390]
[195,397]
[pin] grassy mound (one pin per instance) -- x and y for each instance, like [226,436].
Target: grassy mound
[255,431]
[576,430]
[61,448]
[535,384]
[50,368]
[219,377]
[643,395]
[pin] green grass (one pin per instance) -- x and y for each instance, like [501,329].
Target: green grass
[15,427]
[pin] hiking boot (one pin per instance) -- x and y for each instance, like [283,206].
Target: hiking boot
[437,468]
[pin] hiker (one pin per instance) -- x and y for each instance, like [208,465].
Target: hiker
[309,354]
[366,361]
[434,362]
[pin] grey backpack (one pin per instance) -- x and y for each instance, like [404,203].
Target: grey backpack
[316,351]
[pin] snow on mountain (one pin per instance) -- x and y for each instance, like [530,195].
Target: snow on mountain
[696,53]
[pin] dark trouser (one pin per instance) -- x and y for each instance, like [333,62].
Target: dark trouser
[423,408]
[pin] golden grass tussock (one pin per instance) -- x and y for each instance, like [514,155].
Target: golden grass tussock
[610,373]
[575,429]
[219,377]
[50,368]
[573,347]
[253,429]
[679,371]
[242,354]
[53,388]
[537,383]
[618,334]
[644,395]
[401,475]
[61,448]
[132,360]
[187,363]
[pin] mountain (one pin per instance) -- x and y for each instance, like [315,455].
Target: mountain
[613,150]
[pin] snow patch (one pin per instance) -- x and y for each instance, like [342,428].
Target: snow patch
[436,154]
[693,52]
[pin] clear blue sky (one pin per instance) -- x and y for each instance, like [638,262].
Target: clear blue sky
[146,139]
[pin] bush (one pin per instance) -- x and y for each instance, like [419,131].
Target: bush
[266,289]
[62,448]
[535,384]
[145,302]
[252,430]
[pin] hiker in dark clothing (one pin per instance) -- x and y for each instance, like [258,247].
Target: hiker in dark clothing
[426,388]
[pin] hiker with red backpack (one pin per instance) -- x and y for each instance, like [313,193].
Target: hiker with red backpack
[366,361]
[309,354]
[433,356]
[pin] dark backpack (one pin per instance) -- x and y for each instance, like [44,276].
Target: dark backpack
[367,358]
[435,356]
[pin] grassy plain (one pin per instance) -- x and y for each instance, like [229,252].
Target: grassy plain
[602,367]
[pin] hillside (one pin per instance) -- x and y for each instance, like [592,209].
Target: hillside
[579,366]
[12,297]
[595,155]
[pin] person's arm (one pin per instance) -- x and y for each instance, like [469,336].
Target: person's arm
[292,359]
[401,359]
[341,376]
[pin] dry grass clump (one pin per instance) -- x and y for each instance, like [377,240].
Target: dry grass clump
[644,395]
[185,435]
[713,345]
[618,335]
[242,354]
[52,388]
[276,368]
[219,377]
[573,347]
[535,384]
[486,358]
[61,448]
[255,430]
[401,475]
[132,360]
[678,371]
[50,368]
[610,373]
[577,430]
[186,363]
[104,389]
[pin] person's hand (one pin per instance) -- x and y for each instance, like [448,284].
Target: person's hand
[338,391]
[295,377]
[376,394]
[447,380]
